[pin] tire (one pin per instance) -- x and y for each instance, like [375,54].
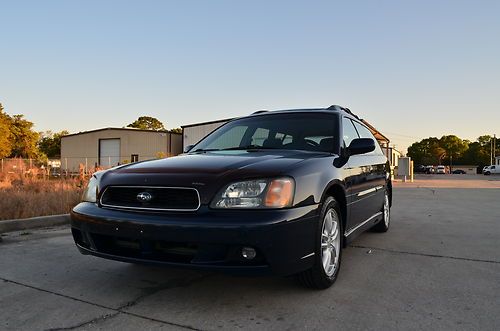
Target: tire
[385,222]
[329,240]
[487,173]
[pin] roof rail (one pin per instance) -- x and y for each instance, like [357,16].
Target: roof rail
[259,112]
[340,108]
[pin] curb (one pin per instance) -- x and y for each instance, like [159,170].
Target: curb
[34,222]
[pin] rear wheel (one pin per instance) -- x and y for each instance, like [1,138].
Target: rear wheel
[383,225]
[328,250]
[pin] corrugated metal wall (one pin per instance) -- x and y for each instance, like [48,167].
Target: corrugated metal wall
[193,134]
[83,148]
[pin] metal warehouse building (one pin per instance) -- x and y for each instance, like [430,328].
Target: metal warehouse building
[109,147]
[193,133]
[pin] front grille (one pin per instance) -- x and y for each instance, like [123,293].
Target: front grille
[151,198]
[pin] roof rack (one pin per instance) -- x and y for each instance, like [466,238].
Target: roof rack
[259,112]
[340,108]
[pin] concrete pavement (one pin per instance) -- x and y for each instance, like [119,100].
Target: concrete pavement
[437,268]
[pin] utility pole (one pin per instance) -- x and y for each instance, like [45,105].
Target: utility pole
[494,146]
[491,151]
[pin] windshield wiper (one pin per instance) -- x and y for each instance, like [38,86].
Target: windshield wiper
[236,148]
[247,147]
[201,150]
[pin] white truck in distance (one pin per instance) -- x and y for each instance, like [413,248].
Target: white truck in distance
[492,169]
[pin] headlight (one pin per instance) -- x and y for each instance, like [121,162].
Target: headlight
[90,193]
[260,193]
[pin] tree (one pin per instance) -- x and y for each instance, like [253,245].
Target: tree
[5,135]
[433,151]
[483,149]
[147,123]
[475,154]
[426,151]
[50,143]
[176,130]
[24,139]
[453,146]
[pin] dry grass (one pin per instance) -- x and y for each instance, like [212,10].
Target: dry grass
[27,197]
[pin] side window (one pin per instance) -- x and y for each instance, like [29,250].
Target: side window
[349,131]
[259,136]
[285,138]
[365,133]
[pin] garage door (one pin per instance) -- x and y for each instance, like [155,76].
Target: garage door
[109,152]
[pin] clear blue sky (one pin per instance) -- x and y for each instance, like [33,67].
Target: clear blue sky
[411,68]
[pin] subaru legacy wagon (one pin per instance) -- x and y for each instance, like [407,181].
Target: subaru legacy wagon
[276,192]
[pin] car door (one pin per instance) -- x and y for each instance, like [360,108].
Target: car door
[374,190]
[355,177]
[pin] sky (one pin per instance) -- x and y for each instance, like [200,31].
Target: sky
[413,69]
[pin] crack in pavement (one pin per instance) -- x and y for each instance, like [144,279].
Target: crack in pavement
[184,282]
[173,283]
[92,321]
[427,255]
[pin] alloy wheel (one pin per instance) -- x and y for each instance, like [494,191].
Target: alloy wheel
[330,242]
[387,210]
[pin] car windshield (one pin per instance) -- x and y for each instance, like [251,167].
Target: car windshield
[295,131]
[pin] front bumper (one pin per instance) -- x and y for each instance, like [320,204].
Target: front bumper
[207,239]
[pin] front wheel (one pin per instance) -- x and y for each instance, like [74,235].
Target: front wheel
[328,250]
[487,173]
[384,223]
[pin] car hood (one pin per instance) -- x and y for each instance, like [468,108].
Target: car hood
[207,172]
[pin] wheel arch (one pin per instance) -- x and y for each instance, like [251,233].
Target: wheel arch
[336,190]
[389,190]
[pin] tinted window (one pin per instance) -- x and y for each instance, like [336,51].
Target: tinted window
[349,132]
[259,136]
[227,138]
[365,133]
[299,131]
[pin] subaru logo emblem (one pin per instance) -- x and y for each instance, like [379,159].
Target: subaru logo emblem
[144,197]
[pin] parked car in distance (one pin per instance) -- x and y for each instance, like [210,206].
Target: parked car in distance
[278,192]
[430,169]
[55,172]
[419,168]
[492,169]
[459,172]
[441,169]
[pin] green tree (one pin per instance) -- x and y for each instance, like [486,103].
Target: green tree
[176,130]
[24,139]
[147,123]
[50,143]
[436,151]
[453,146]
[426,151]
[475,155]
[484,149]
[5,135]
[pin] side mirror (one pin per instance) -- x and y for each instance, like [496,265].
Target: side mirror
[361,146]
[188,148]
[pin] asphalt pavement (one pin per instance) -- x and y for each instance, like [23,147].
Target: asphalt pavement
[437,268]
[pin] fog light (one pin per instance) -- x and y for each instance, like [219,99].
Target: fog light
[248,253]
